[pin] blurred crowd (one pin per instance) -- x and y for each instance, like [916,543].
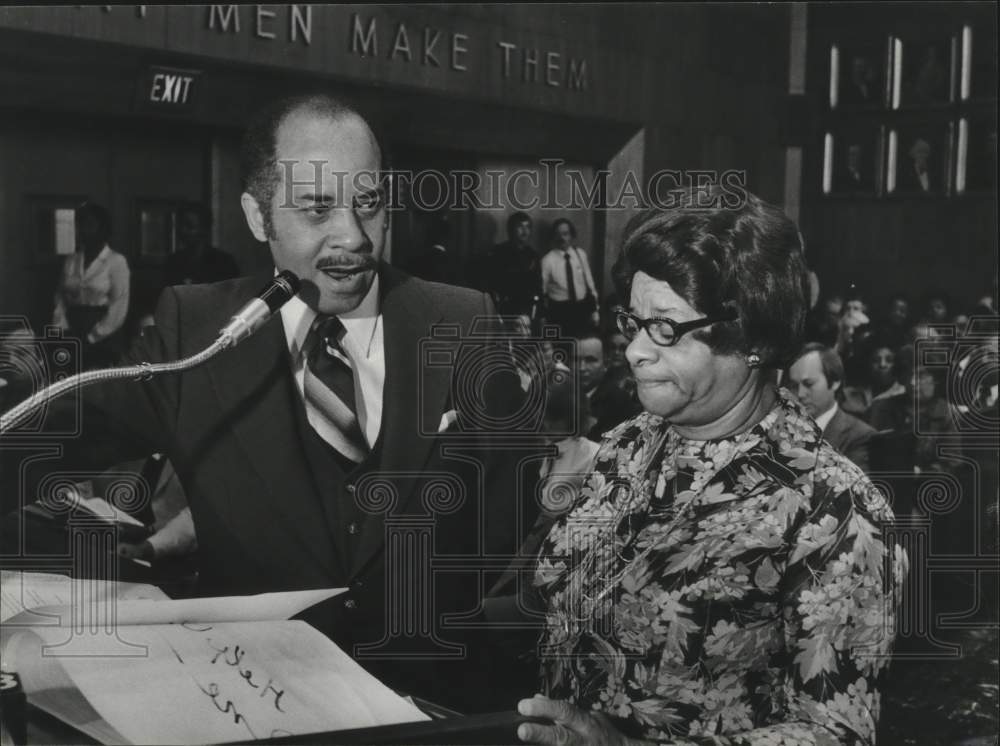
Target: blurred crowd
[909,390]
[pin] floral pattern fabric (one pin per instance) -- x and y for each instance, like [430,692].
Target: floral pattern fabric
[738,591]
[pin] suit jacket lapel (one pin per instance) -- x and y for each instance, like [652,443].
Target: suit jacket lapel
[254,385]
[834,427]
[413,398]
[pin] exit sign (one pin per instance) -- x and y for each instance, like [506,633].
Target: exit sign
[168,88]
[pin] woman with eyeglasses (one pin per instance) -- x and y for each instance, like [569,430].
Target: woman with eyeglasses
[723,576]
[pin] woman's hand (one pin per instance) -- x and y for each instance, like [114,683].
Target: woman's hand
[571,725]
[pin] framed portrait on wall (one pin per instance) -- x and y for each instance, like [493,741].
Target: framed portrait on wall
[919,161]
[924,70]
[858,74]
[854,161]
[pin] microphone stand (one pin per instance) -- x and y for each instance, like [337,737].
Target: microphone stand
[139,372]
[250,318]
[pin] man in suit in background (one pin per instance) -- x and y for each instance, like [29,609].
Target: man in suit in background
[609,404]
[303,446]
[512,272]
[815,377]
[196,260]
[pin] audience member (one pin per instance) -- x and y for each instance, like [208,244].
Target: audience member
[619,372]
[570,293]
[853,332]
[822,323]
[196,260]
[512,270]
[935,419]
[609,404]
[895,325]
[935,308]
[815,377]
[92,300]
[879,383]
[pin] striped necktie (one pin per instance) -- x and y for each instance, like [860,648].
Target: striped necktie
[329,388]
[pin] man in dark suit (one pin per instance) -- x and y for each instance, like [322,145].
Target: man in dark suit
[512,271]
[609,404]
[815,376]
[196,260]
[290,492]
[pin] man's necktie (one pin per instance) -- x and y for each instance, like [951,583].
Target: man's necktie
[329,387]
[570,281]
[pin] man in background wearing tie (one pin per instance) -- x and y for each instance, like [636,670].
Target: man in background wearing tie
[570,293]
[301,449]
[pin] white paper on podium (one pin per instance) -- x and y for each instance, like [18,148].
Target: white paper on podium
[214,683]
[48,600]
[22,592]
[126,668]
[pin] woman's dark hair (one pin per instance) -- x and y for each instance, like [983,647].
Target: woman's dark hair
[199,210]
[515,220]
[563,221]
[746,256]
[100,215]
[929,297]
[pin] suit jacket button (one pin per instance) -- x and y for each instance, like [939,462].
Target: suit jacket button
[350,604]
[352,528]
[351,488]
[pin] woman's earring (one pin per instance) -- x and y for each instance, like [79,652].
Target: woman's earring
[753,360]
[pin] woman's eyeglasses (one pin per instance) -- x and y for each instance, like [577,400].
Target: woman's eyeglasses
[665,332]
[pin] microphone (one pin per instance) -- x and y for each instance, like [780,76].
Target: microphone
[254,314]
[247,320]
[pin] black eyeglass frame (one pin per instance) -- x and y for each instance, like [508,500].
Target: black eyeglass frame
[678,328]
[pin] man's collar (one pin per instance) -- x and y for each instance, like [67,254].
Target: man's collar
[360,323]
[824,419]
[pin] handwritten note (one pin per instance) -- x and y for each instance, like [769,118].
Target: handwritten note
[212,683]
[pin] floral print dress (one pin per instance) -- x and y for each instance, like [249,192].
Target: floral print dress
[737,591]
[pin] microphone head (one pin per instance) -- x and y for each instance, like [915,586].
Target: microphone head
[279,290]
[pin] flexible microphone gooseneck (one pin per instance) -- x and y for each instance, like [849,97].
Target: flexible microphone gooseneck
[247,320]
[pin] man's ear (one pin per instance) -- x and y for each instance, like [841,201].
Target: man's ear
[835,387]
[254,216]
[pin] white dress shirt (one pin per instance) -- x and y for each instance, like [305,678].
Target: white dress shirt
[554,274]
[364,345]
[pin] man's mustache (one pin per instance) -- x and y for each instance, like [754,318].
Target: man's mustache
[358,262]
